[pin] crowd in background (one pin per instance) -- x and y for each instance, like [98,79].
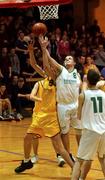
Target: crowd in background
[86,43]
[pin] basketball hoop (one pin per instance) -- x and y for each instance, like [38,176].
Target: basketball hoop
[48,12]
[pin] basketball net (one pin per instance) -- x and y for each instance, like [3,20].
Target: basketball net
[48,12]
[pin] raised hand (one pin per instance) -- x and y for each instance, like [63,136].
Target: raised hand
[43,42]
[30,46]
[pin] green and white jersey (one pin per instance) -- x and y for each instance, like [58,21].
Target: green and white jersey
[93,111]
[67,84]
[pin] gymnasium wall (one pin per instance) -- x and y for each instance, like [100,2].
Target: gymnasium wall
[96,10]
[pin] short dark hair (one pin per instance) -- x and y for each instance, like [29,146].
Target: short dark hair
[93,77]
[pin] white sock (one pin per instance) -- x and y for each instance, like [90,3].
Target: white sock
[80,179]
[26,160]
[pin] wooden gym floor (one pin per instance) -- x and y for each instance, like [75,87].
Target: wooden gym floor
[11,154]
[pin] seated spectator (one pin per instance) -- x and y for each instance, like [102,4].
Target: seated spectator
[99,56]
[13,89]
[90,65]
[5,104]
[19,102]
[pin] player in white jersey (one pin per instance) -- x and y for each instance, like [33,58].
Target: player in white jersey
[91,111]
[67,84]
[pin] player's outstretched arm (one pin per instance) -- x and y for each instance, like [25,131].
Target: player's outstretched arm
[33,62]
[49,64]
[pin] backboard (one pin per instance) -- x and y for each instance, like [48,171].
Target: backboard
[30,3]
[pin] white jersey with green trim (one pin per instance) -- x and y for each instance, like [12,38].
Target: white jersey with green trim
[68,84]
[93,111]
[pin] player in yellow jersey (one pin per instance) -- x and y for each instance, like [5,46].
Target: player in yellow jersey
[90,65]
[34,64]
[44,122]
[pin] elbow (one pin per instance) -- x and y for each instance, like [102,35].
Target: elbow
[30,96]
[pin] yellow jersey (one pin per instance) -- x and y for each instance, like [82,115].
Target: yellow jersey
[44,119]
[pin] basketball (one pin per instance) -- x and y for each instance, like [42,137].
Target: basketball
[39,28]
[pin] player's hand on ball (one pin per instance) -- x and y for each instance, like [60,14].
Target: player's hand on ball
[43,42]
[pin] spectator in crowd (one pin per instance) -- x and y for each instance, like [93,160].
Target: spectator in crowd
[63,48]
[21,50]
[15,63]
[84,50]
[28,72]
[5,104]
[80,66]
[20,102]
[3,34]
[58,34]
[99,56]
[53,47]
[94,28]
[13,89]
[5,66]
[90,65]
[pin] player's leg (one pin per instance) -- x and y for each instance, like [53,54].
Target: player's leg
[86,151]
[28,145]
[76,169]
[35,143]
[65,140]
[85,169]
[102,162]
[60,159]
[57,143]
[26,163]
[101,152]
[80,169]
[64,121]
[78,135]
[76,124]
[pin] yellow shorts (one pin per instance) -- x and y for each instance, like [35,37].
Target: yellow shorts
[44,124]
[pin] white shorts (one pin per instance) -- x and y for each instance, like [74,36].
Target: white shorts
[90,144]
[76,124]
[67,115]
